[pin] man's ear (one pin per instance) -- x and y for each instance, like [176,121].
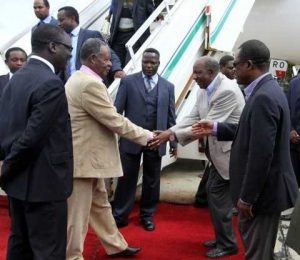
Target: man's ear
[52,47]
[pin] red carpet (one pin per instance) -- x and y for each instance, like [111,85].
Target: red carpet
[180,231]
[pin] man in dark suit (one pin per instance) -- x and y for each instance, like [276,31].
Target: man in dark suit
[36,149]
[41,10]
[15,58]
[226,66]
[294,104]
[68,18]
[128,17]
[262,179]
[148,101]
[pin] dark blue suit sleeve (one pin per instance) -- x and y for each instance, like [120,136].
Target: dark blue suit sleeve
[47,102]
[116,64]
[171,112]
[226,131]
[121,98]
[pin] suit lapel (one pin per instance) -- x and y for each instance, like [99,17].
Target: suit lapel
[79,43]
[216,88]
[119,11]
[141,85]
[260,83]
[258,86]
[134,7]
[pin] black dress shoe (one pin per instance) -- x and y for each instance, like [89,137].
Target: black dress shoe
[128,252]
[219,252]
[122,224]
[148,224]
[210,243]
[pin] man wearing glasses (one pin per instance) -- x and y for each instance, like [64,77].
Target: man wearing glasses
[263,183]
[36,149]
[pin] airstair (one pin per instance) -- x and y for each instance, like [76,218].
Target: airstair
[190,29]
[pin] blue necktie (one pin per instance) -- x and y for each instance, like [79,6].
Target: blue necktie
[148,84]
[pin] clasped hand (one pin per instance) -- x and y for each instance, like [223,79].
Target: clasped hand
[161,137]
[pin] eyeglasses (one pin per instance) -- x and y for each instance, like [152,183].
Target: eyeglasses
[236,63]
[70,48]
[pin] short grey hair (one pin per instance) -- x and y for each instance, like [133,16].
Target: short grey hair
[91,46]
[211,64]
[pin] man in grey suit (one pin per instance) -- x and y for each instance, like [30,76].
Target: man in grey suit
[219,98]
[148,101]
[41,10]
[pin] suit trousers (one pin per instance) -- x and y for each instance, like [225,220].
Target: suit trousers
[38,230]
[220,206]
[118,45]
[126,187]
[89,204]
[295,157]
[259,235]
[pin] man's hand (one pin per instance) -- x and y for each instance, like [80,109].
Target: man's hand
[245,209]
[202,128]
[119,74]
[161,138]
[294,137]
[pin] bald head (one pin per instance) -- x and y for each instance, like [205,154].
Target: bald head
[205,70]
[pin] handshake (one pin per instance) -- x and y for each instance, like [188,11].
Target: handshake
[161,137]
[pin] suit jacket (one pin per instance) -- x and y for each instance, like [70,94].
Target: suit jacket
[142,9]
[35,136]
[3,81]
[85,34]
[294,105]
[53,21]
[261,172]
[226,105]
[95,123]
[131,99]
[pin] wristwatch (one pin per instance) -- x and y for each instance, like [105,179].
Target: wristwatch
[172,136]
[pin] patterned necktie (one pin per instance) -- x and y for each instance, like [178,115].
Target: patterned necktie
[148,84]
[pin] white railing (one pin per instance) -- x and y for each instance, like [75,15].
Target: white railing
[164,5]
[132,64]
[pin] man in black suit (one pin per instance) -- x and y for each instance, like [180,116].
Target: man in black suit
[294,104]
[148,101]
[41,10]
[128,17]
[68,18]
[15,58]
[262,179]
[36,149]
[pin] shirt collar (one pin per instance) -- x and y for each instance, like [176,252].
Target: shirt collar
[10,75]
[47,19]
[89,71]
[249,89]
[75,31]
[154,78]
[44,61]
[212,86]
